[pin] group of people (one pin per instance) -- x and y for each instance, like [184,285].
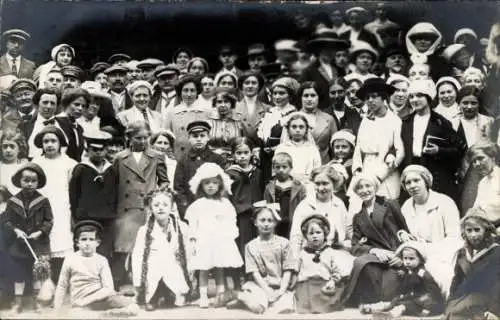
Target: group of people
[359,169]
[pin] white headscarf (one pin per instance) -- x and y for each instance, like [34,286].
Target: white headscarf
[422,27]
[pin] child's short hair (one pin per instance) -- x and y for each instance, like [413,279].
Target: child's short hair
[87,226]
[320,220]
[281,157]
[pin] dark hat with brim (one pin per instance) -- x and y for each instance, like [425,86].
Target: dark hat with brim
[323,219]
[374,85]
[87,223]
[73,71]
[42,179]
[326,38]
[22,84]
[394,49]
[16,33]
[119,57]
[38,141]
[97,138]
[248,74]
[198,126]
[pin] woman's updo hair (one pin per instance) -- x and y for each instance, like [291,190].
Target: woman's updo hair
[70,95]
[226,94]
[469,91]
[341,82]
[335,177]
[185,80]
[490,149]
[422,171]
[238,141]
[309,85]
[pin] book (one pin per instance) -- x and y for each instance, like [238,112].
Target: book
[438,141]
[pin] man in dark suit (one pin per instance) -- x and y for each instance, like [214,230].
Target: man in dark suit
[23,116]
[323,71]
[12,62]
[356,18]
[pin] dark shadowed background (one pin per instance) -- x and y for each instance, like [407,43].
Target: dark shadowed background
[98,29]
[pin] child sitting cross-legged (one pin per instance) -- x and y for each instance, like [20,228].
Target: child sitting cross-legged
[269,264]
[87,275]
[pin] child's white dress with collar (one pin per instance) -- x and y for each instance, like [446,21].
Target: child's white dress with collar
[162,262]
[213,224]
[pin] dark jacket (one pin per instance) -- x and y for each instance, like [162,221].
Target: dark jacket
[93,195]
[26,68]
[316,73]
[246,188]
[379,230]
[351,119]
[185,170]
[445,164]
[155,103]
[30,214]
[364,35]
[297,195]
[12,121]
[74,135]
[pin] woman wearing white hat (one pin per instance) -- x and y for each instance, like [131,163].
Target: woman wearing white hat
[363,56]
[447,90]
[458,58]
[429,139]
[62,55]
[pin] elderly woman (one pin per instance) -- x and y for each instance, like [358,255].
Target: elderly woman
[271,127]
[178,118]
[447,90]
[141,91]
[376,227]
[197,66]
[139,171]
[62,55]
[163,142]
[432,218]
[323,126]
[429,139]
[484,157]
[382,156]
[224,123]
[250,108]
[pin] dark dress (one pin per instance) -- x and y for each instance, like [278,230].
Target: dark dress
[74,135]
[419,291]
[246,190]
[371,280]
[475,287]
[445,164]
[266,154]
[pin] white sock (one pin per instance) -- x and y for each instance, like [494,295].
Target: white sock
[220,288]
[203,292]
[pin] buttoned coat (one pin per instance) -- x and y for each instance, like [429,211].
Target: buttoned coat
[250,122]
[36,217]
[134,181]
[26,68]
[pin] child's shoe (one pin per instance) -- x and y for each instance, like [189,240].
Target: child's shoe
[180,300]
[203,302]
[150,307]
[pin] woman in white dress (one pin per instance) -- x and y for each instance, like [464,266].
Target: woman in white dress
[58,168]
[379,149]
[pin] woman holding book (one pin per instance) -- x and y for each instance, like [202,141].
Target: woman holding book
[429,140]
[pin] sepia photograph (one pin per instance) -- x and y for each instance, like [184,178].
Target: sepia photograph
[230,159]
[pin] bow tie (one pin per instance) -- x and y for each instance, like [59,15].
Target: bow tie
[49,121]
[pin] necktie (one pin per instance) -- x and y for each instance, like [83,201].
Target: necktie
[14,67]
[146,119]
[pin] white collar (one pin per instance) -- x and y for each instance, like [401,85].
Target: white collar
[86,161]
[32,113]
[9,57]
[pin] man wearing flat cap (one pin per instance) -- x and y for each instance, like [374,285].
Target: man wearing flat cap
[228,57]
[73,77]
[164,95]
[119,59]
[148,67]
[12,62]
[117,80]
[256,56]
[23,116]
[356,18]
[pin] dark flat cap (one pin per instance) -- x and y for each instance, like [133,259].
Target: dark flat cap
[119,57]
[197,126]
[73,71]
[22,84]
[116,69]
[168,69]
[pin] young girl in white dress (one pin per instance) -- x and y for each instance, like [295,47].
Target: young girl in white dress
[159,254]
[213,230]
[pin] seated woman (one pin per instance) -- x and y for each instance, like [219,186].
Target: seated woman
[475,289]
[376,228]
[432,219]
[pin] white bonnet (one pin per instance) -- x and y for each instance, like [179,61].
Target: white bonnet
[56,49]
[425,86]
[210,170]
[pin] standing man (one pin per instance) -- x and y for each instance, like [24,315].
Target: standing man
[117,78]
[256,56]
[164,95]
[12,62]
[228,57]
